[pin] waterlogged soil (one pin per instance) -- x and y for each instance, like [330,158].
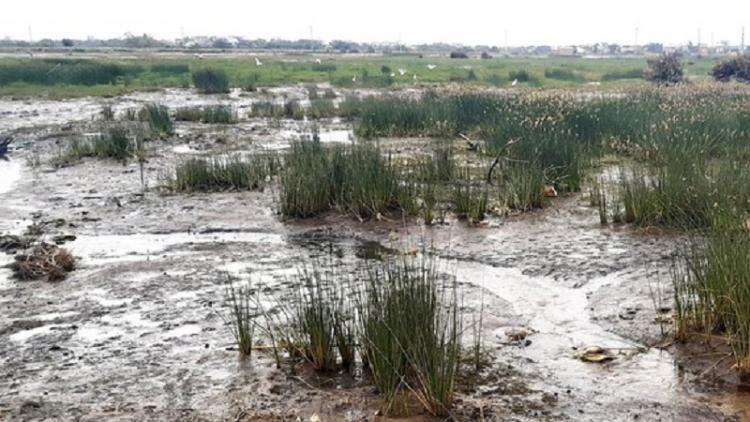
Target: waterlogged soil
[137,331]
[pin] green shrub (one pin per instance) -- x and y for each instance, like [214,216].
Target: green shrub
[667,69]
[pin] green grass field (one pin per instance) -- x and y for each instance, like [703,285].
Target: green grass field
[104,76]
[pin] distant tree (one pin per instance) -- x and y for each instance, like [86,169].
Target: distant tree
[458,55]
[143,41]
[221,43]
[656,48]
[667,69]
[486,55]
[67,42]
[737,68]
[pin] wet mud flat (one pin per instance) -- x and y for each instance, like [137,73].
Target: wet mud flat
[135,333]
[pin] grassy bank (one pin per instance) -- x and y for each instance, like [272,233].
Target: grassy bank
[56,76]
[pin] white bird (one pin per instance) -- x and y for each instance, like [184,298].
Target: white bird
[514,83]
[258,62]
[317,61]
[393,74]
[199,56]
[431,66]
[354,79]
[415,76]
[402,72]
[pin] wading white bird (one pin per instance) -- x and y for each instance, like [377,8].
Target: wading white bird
[199,56]
[514,83]
[402,72]
[317,61]
[258,62]
[431,66]
[354,79]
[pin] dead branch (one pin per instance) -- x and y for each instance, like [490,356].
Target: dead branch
[497,159]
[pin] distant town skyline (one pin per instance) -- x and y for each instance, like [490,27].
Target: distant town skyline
[493,23]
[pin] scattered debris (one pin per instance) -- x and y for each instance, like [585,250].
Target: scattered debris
[63,238]
[43,261]
[594,354]
[4,146]
[10,243]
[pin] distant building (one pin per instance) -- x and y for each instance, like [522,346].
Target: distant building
[566,51]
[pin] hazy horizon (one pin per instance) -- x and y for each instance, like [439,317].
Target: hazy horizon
[540,22]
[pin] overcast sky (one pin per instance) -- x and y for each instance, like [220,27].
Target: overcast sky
[531,22]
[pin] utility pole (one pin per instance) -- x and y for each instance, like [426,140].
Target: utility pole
[31,39]
[699,39]
[506,43]
[742,43]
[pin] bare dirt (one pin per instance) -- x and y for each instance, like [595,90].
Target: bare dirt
[135,334]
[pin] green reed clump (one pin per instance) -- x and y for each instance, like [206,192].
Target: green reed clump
[635,73]
[266,109]
[470,201]
[220,174]
[684,190]
[219,114]
[107,113]
[321,109]
[170,68]
[241,317]
[351,107]
[188,114]
[563,75]
[306,183]
[411,334]
[438,167]
[325,317]
[352,178]
[158,118]
[211,81]
[520,185]
[712,287]
[82,72]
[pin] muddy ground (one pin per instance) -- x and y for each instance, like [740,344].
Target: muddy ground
[135,334]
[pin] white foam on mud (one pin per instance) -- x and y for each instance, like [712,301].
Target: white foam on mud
[10,173]
[99,249]
[24,335]
[93,334]
[183,331]
[561,320]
